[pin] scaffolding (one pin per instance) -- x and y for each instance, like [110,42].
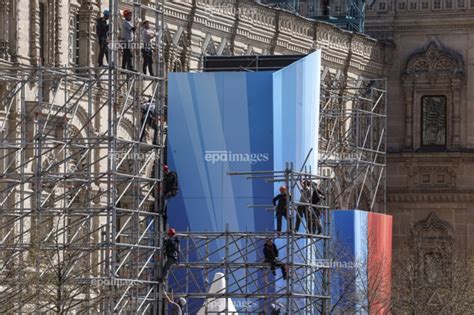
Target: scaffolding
[81,226]
[235,259]
[352,141]
[79,186]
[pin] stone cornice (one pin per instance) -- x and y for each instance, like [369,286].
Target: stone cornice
[430,195]
[296,34]
[413,27]
[427,157]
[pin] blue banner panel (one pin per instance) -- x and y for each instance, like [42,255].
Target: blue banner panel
[219,123]
[296,91]
[349,273]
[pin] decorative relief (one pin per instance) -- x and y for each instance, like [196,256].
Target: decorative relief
[433,226]
[398,195]
[434,60]
[433,128]
[433,176]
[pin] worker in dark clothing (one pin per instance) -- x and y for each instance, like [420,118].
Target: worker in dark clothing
[316,197]
[270,251]
[303,210]
[149,118]
[170,188]
[170,181]
[282,208]
[102,28]
[171,251]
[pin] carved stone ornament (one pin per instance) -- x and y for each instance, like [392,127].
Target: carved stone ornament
[434,61]
[433,226]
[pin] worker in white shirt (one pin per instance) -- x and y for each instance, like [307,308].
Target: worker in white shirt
[128,35]
[147,52]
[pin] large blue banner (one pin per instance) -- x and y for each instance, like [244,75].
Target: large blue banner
[218,123]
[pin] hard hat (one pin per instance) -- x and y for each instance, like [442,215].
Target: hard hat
[171,232]
[106,13]
[127,12]
[182,301]
[283,189]
[165,168]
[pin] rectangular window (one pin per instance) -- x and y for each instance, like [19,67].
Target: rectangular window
[413,5]
[449,4]
[402,6]
[460,3]
[425,5]
[436,4]
[433,121]
[382,6]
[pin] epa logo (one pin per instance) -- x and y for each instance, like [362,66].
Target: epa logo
[229,156]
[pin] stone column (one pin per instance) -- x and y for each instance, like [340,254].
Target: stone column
[35,32]
[4,29]
[408,93]
[456,90]
[88,14]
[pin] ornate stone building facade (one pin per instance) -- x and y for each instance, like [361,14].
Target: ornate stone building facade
[193,29]
[431,121]
[424,47]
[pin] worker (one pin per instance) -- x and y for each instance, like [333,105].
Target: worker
[171,251]
[270,251]
[102,29]
[275,308]
[128,30]
[316,197]
[302,210]
[177,307]
[149,118]
[170,188]
[147,52]
[170,183]
[282,208]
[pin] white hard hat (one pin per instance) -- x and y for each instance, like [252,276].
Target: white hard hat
[182,301]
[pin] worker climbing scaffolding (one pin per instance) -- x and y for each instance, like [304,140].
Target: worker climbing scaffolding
[281,208]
